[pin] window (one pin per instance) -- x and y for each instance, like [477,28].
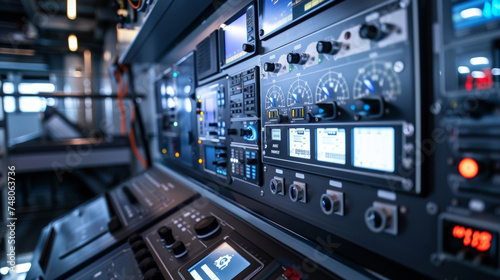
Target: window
[9,103]
[33,104]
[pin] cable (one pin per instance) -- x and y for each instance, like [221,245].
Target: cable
[131,137]
[139,3]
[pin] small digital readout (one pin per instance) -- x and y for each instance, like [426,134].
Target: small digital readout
[330,145]
[374,148]
[299,142]
[473,13]
[224,262]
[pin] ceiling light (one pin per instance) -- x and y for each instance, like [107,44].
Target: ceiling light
[71,9]
[72,43]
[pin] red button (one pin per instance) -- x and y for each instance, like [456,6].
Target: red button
[468,168]
[288,272]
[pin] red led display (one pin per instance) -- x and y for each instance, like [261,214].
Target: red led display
[485,81]
[480,240]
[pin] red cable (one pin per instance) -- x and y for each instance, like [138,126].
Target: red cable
[120,103]
[131,137]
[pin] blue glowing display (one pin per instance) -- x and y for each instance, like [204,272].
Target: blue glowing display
[235,35]
[473,13]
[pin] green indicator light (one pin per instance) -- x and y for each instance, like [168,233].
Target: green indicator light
[176,124]
[319,60]
[175,74]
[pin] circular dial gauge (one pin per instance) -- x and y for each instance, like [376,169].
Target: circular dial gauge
[299,93]
[377,78]
[332,86]
[275,97]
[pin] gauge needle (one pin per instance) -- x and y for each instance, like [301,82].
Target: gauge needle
[295,97]
[325,89]
[369,85]
[272,100]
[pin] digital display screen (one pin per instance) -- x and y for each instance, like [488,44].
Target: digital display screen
[210,158]
[330,145]
[300,142]
[471,241]
[235,35]
[224,262]
[473,13]
[276,134]
[278,13]
[374,148]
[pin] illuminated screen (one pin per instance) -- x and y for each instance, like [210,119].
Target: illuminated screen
[473,13]
[330,145]
[276,13]
[300,142]
[373,148]
[474,241]
[235,35]
[222,263]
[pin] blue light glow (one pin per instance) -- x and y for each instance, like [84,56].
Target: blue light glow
[369,85]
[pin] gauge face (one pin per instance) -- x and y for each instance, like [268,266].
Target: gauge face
[299,93]
[332,86]
[275,97]
[375,79]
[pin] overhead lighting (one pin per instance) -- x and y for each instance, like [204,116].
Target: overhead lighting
[71,11]
[72,43]
[463,70]
[470,13]
[479,60]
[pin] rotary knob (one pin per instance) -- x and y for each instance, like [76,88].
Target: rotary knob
[138,245]
[328,47]
[142,254]
[269,67]
[153,274]
[179,249]
[147,264]
[206,227]
[167,235]
[374,31]
[248,47]
[376,219]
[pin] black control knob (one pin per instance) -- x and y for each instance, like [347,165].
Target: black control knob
[376,219]
[206,227]
[179,249]
[371,107]
[329,203]
[269,67]
[133,238]
[283,119]
[276,186]
[147,264]
[374,31]
[138,245]
[296,192]
[248,47]
[324,110]
[232,131]
[293,58]
[153,274]
[213,124]
[142,254]
[246,132]
[167,235]
[328,47]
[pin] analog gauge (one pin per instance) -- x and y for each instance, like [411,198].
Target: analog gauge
[275,97]
[332,86]
[377,79]
[299,93]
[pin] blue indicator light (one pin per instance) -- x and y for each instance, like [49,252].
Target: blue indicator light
[353,107]
[175,74]
[321,111]
[366,107]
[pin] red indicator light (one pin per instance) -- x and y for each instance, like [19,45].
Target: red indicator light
[468,168]
[481,240]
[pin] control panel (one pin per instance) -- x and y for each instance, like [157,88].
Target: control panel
[102,224]
[202,241]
